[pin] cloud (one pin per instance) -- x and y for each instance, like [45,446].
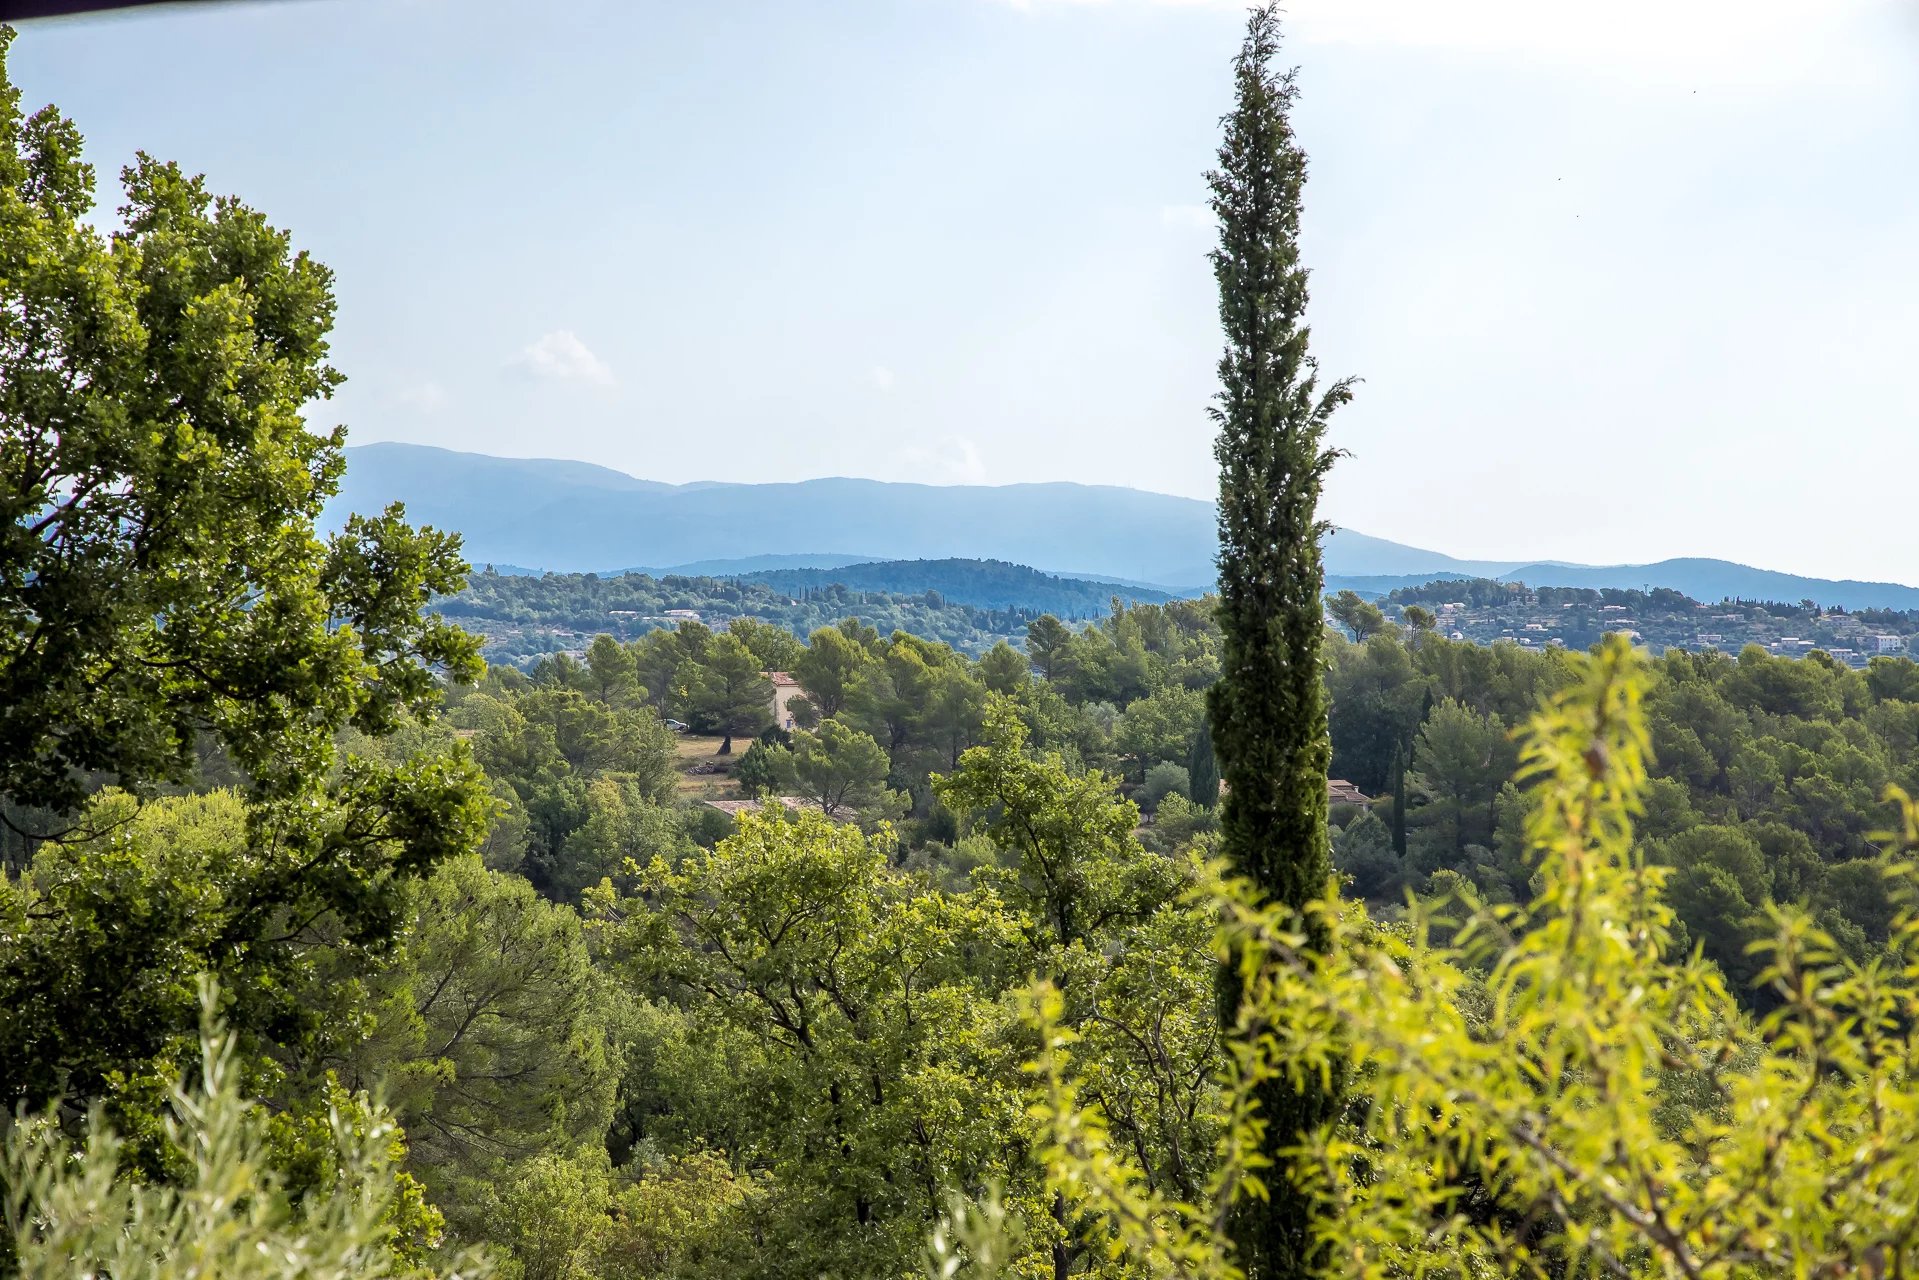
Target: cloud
[881,377]
[425,396]
[561,357]
[1750,41]
[1754,42]
[1188,217]
[949,460]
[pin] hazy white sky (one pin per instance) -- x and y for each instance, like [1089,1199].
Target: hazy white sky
[1624,280]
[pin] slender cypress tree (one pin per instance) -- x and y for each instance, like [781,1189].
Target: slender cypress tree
[1268,710]
[1399,802]
[1202,768]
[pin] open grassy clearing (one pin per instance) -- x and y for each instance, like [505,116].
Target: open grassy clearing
[694,751]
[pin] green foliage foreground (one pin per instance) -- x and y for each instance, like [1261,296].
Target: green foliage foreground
[1551,1092]
[231,1215]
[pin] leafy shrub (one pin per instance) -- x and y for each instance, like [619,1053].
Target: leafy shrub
[342,1212]
[1540,1054]
[1162,780]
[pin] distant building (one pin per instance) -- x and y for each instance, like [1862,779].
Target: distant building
[1338,792]
[1341,792]
[684,615]
[1887,644]
[786,691]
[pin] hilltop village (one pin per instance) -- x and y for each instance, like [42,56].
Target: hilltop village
[1485,611]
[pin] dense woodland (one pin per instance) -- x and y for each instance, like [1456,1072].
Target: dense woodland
[329,950]
[1767,778]
[523,617]
[628,1037]
[988,584]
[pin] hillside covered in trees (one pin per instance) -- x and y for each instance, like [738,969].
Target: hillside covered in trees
[1783,761]
[985,584]
[521,617]
[1211,939]
[603,909]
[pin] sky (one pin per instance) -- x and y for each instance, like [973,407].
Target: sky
[1623,281]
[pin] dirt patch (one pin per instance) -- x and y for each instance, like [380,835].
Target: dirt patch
[705,774]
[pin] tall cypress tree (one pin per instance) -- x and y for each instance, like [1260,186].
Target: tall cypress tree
[1202,768]
[1399,802]
[1268,710]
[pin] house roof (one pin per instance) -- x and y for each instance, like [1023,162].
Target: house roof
[1338,791]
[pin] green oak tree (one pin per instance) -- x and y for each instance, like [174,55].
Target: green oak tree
[1077,867]
[864,999]
[169,612]
[1164,780]
[1161,728]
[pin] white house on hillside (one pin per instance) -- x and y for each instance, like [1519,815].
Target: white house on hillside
[785,691]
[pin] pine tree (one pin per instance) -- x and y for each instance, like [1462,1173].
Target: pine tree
[1268,711]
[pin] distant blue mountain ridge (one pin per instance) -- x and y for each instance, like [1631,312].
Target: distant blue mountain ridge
[565,516]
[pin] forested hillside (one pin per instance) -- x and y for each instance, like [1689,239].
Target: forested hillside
[523,616]
[1766,787]
[985,584]
[1767,769]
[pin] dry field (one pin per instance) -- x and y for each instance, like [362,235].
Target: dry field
[697,750]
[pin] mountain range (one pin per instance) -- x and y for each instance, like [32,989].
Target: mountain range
[551,514]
